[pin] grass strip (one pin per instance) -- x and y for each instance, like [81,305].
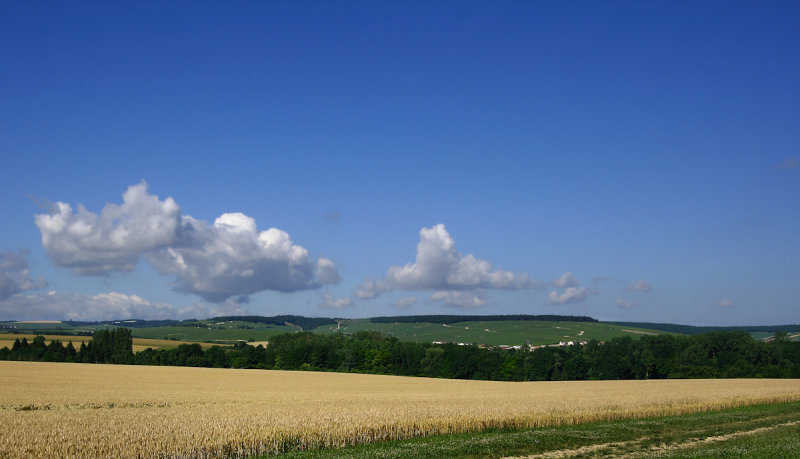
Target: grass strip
[778,443]
[748,431]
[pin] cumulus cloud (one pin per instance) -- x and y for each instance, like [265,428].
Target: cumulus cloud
[326,271]
[440,266]
[370,288]
[623,303]
[460,298]
[15,276]
[218,261]
[231,257]
[404,303]
[104,306]
[570,295]
[328,301]
[724,303]
[89,243]
[566,280]
[640,286]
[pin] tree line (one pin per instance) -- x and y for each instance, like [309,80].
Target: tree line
[106,346]
[721,354]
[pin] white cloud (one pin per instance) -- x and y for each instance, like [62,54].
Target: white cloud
[328,301]
[104,306]
[440,266]
[15,276]
[326,271]
[404,303]
[228,258]
[724,303]
[573,292]
[232,258]
[623,303]
[640,286]
[570,295]
[566,280]
[460,298]
[371,288]
[114,240]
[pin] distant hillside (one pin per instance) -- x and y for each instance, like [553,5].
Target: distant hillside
[692,330]
[132,323]
[492,332]
[480,329]
[449,319]
[306,323]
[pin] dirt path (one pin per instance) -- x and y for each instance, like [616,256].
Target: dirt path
[577,452]
[714,439]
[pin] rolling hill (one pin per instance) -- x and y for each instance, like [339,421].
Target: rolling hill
[487,330]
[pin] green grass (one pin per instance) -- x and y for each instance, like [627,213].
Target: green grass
[782,442]
[764,335]
[699,435]
[510,332]
[230,331]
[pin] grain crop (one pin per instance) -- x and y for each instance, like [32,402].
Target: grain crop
[83,410]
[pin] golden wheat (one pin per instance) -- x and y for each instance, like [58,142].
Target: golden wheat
[80,410]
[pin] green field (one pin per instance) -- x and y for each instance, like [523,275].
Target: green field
[489,333]
[768,335]
[229,331]
[492,333]
[511,332]
[761,431]
[761,335]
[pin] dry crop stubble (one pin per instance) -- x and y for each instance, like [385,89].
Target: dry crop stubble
[59,409]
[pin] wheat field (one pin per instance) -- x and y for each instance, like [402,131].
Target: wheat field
[80,410]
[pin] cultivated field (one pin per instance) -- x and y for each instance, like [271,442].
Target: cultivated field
[511,332]
[493,333]
[62,410]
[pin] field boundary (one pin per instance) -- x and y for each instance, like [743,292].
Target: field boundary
[628,438]
[565,453]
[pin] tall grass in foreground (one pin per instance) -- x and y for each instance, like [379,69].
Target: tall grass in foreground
[74,410]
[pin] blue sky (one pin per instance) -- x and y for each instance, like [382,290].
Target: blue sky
[623,160]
